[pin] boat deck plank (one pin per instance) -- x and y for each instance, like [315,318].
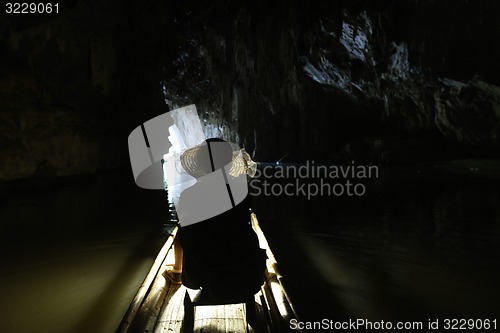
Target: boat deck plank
[221,318]
[159,305]
[172,313]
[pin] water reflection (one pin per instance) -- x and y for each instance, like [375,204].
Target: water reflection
[416,247]
[74,255]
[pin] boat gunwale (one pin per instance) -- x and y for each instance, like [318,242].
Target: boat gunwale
[276,313]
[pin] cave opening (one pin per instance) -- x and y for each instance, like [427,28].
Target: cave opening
[408,91]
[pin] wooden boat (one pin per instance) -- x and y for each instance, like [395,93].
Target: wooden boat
[159,305]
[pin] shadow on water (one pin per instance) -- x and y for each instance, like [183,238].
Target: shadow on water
[112,295]
[418,246]
[73,254]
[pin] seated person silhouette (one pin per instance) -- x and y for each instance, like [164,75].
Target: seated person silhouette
[216,248]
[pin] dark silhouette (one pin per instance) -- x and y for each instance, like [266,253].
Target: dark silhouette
[221,254]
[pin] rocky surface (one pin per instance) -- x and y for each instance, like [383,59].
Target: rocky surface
[340,80]
[73,85]
[385,82]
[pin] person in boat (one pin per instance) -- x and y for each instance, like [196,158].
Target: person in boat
[216,248]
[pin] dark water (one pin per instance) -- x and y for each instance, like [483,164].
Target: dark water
[418,245]
[73,255]
[421,244]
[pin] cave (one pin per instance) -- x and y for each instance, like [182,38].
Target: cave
[374,127]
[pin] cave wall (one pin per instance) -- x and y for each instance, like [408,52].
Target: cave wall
[73,86]
[384,81]
[376,81]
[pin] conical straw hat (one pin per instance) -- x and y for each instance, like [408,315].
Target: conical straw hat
[196,160]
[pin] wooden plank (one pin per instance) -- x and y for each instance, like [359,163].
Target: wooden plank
[146,285]
[220,318]
[262,322]
[172,313]
[240,322]
[159,306]
[275,291]
[148,315]
[204,319]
